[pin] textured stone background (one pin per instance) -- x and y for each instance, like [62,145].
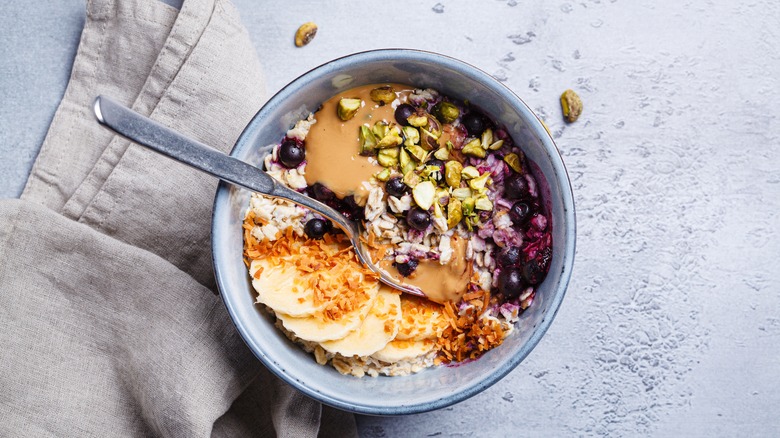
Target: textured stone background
[671,325]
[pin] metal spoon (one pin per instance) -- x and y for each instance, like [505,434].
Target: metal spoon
[170,143]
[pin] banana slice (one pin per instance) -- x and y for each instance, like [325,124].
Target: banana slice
[380,327]
[284,289]
[420,319]
[396,351]
[319,328]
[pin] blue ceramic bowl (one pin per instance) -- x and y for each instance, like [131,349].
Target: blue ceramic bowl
[436,387]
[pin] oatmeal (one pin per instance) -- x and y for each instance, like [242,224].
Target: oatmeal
[447,204]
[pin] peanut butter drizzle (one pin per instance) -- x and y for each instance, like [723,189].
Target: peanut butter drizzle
[333,146]
[439,283]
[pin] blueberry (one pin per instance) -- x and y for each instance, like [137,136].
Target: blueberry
[440,164]
[402,113]
[418,218]
[533,272]
[291,154]
[316,228]
[520,213]
[406,269]
[396,187]
[474,123]
[509,257]
[351,209]
[516,187]
[321,193]
[510,283]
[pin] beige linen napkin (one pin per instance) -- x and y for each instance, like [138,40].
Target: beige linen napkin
[108,323]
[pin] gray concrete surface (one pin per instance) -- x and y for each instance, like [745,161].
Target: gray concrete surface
[670,326]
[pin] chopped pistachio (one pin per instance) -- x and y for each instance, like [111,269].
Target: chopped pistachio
[347,108]
[411,135]
[383,175]
[480,182]
[388,157]
[429,140]
[442,196]
[391,152]
[380,129]
[407,165]
[454,213]
[391,139]
[474,149]
[469,172]
[417,152]
[571,104]
[462,193]
[437,211]
[423,194]
[468,206]
[367,141]
[417,121]
[434,126]
[305,34]
[383,95]
[496,145]
[483,203]
[442,154]
[450,146]
[452,173]
[487,138]
[514,162]
[411,179]
[446,111]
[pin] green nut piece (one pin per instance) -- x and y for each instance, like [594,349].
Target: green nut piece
[429,140]
[442,196]
[469,172]
[483,203]
[446,112]
[487,138]
[571,104]
[454,213]
[411,179]
[513,160]
[452,173]
[383,175]
[474,149]
[411,136]
[388,157]
[462,193]
[480,182]
[423,194]
[496,145]
[417,121]
[468,205]
[442,154]
[383,95]
[380,129]
[347,108]
[407,165]
[367,141]
[417,152]
[391,139]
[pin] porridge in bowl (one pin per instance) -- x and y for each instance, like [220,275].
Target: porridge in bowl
[447,204]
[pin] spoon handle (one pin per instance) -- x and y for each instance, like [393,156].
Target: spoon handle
[170,143]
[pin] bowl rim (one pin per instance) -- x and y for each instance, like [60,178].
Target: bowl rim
[568,251]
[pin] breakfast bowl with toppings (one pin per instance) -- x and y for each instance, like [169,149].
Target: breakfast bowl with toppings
[459,192]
